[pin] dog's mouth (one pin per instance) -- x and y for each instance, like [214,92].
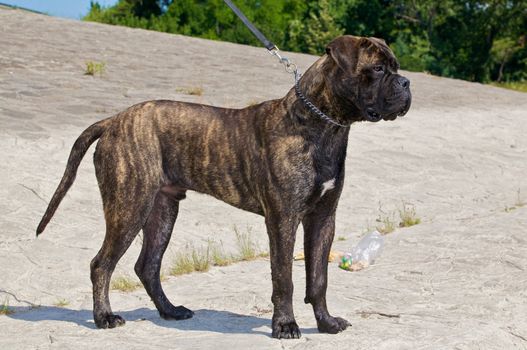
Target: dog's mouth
[374,116]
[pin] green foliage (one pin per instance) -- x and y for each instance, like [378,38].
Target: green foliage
[518,86]
[414,52]
[478,40]
[316,31]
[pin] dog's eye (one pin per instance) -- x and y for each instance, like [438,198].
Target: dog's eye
[378,68]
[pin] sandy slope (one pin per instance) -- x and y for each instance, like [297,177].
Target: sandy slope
[456,281]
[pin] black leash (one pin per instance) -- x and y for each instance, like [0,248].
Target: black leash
[289,66]
[268,45]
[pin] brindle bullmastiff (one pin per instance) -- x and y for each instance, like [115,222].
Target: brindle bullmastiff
[277,159]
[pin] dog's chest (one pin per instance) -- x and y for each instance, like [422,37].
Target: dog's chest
[329,170]
[327,186]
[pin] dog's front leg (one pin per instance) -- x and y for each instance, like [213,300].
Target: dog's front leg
[282,232]
[319,229]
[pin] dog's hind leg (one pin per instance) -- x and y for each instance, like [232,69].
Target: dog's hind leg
[119,236]
[157,232]
[129,176]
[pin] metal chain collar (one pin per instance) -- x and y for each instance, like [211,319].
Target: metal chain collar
[292,69]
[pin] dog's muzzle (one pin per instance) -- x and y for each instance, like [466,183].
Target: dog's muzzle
[396,106]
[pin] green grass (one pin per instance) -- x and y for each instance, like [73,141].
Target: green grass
[124,284]
[94,68]
[518,85]
[341,238]
[408,216]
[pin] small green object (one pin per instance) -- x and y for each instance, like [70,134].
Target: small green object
[345,262]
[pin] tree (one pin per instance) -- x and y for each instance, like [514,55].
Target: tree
[320,28]
[477,40]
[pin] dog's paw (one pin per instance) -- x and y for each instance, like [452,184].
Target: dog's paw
[109,321]
[332,325]
[286,330]
[176,313]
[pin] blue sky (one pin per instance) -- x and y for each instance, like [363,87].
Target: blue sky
[61,8]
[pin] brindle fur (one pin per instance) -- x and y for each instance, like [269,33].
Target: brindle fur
[270,159]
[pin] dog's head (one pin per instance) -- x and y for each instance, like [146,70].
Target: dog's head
[365,81]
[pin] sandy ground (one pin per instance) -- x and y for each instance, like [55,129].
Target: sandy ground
[456,281]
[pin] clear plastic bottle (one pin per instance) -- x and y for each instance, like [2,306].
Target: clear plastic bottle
[364,253]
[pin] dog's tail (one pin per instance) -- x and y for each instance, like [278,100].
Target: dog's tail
[79,149]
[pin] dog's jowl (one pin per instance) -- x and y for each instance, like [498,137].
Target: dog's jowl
[278,159]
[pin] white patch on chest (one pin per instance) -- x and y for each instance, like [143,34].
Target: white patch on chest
[328,185]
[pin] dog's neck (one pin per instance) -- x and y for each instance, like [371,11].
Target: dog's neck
[330,141]
[314,85]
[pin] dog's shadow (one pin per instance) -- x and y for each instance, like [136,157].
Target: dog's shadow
[203,320]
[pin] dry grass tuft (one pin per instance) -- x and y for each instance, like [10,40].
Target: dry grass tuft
[218,256]
[163,277]
[61,303]
[408,216]
[94,68]
[385,223]
[517,204]
[200,260]
[519,201]
[246,245]
[193,90]
[125,284]
[5,309]
[190,261]
[182,265]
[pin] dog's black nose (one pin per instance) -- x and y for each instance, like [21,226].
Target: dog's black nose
[405,83]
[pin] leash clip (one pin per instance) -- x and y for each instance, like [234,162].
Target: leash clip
[289,66]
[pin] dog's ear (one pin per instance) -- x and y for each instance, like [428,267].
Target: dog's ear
[378,41]
[383,47]
[344,51]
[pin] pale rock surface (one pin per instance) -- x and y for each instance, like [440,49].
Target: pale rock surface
[456,281]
